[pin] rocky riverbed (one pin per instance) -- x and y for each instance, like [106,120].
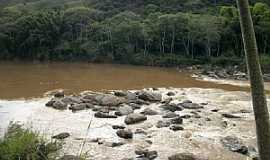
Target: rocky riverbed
[145,124]
[224,73]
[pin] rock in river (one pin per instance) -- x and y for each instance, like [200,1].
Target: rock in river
[170,115]
[176,128]
[191,105]
[145,154]
[125,133]
[59,105]
[234,144]
[59,94]
[228,115]
[135,118]
[149,111]
[185,156]
[162,124]
[150,96]
[176,120]
[171,107]
[78,107]
[61,135]
[104,115]
[124,110]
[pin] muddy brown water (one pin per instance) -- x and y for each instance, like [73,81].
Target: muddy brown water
[28,80]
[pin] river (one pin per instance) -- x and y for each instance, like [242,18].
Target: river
[29,80]
[22,100]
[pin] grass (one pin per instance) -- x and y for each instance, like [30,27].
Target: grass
[24,144]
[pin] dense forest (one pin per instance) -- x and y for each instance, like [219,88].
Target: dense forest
[148,32]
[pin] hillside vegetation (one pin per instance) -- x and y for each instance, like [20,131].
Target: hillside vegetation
[148,32]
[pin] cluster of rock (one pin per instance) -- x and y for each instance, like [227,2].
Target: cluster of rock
[121,103]
[232,73]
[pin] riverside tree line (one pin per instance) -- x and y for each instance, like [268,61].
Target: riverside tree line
[138,32]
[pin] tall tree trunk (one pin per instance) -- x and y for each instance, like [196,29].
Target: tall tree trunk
[256,81]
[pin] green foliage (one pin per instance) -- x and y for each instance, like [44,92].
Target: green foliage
[123,30]
[24,144]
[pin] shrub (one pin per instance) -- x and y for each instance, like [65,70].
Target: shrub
[23,144]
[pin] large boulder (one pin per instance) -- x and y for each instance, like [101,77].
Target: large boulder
[150,96]
[185,156]
[135,118]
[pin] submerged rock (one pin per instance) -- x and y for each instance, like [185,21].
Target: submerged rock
[135,118]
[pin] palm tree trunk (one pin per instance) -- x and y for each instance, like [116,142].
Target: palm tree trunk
[256,81]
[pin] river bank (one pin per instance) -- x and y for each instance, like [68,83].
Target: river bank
[209,123]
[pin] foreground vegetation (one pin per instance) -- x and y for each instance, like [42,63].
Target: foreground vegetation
[24,144]
[137,32]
